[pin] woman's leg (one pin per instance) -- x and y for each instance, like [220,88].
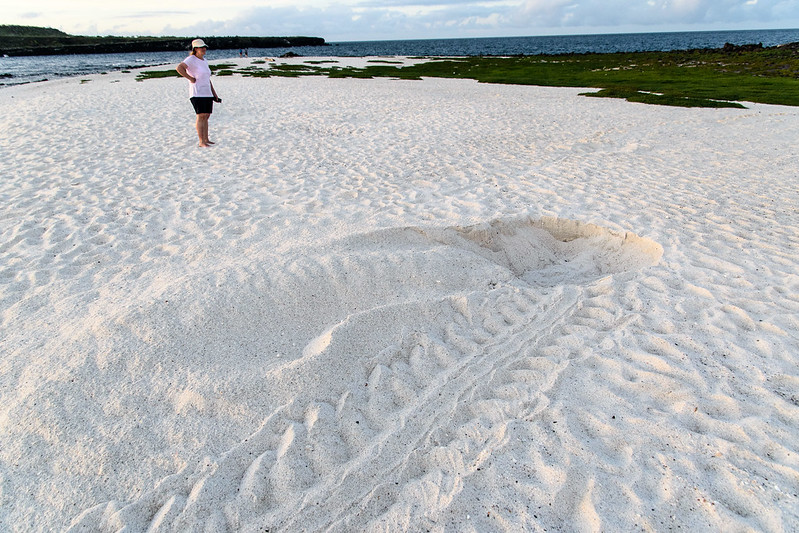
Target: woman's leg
[202,128]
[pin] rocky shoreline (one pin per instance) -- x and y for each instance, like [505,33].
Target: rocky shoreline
[68,44]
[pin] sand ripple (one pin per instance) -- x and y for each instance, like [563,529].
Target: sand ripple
[437,346]
[383,305]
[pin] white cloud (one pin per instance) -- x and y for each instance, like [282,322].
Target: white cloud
[409,19]
[653,15]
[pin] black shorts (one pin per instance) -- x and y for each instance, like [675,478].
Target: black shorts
[202,104]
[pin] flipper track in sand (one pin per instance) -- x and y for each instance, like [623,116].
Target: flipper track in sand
[392,438]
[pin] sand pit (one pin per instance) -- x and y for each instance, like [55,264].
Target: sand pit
[391,305]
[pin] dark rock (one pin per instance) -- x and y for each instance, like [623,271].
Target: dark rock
[731,48]
[75,44]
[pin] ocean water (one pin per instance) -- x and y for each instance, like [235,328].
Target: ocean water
[15,70]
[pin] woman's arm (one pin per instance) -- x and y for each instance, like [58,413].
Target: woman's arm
[183,71]
[213,91]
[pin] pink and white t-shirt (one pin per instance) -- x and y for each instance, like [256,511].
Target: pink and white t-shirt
[200,71]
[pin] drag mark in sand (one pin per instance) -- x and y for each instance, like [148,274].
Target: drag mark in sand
[431,365]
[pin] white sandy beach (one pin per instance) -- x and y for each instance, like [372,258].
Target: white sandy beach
[382,305]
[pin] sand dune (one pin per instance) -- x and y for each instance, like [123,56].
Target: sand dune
[385,305]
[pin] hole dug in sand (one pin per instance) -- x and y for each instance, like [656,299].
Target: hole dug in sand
[553,251]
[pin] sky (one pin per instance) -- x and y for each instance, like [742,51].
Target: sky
[364,20]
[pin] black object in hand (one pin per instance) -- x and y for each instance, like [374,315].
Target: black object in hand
[217,100]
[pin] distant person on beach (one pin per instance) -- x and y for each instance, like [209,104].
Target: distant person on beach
[201,91]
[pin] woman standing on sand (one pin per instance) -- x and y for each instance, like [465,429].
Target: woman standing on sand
[201,91]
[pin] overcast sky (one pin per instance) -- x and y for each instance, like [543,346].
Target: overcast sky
[356,20]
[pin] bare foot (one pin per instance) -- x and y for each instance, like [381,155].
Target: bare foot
[204,145]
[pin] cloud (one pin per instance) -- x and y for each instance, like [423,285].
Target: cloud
[648,13]
[342,23]
[152,14]
[413,19]
[425,3]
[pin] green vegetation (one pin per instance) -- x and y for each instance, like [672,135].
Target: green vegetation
[29,31]
[642,97]
[688,78]
[386,71]
[154,74]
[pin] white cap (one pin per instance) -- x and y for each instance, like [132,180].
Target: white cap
[198,43]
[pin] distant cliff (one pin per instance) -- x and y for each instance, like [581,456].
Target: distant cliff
[32,40]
